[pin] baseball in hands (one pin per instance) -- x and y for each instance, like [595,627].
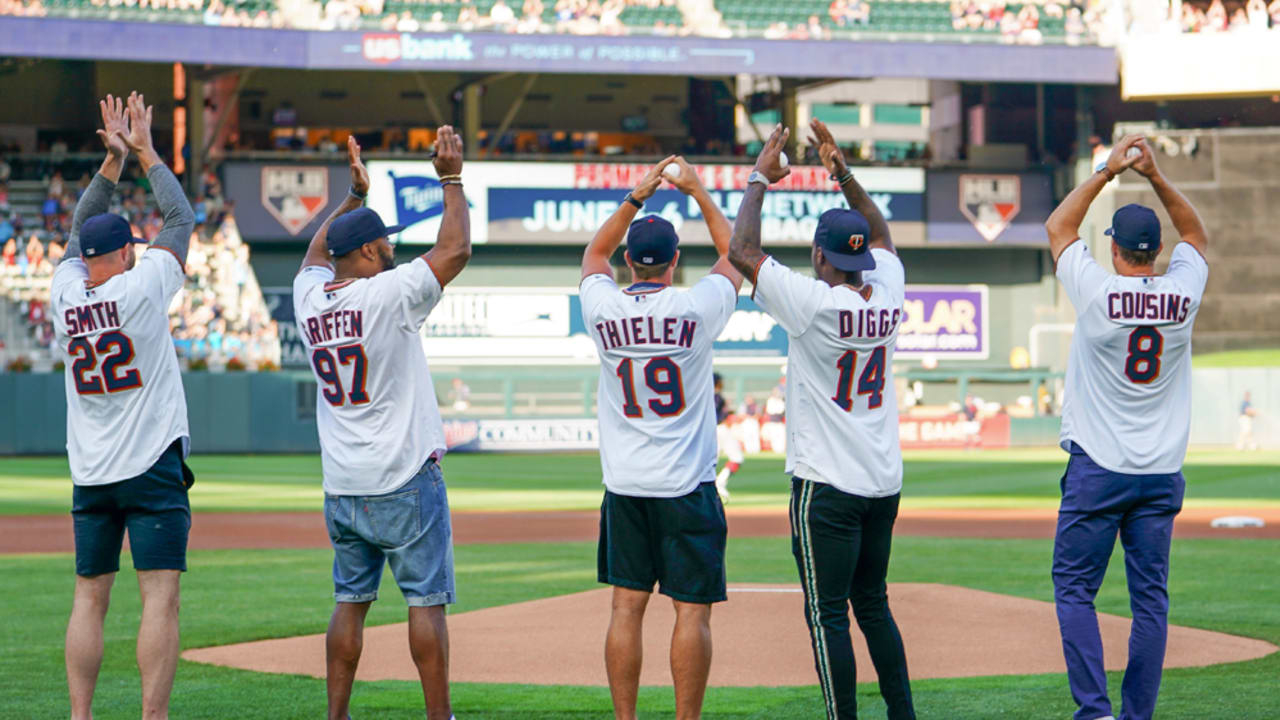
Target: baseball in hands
[1133,152]
[782,160]
[672,171]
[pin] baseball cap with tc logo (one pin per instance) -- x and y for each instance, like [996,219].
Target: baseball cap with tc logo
[844,236]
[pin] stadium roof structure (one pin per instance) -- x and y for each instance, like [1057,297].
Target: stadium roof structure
[592,54]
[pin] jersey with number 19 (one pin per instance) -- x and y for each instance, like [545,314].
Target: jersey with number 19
[375,404]
[125,404]
[842,410]
[1127,400]
[656,400]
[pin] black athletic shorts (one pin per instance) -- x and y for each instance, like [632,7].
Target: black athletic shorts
[677,543]
[152,506]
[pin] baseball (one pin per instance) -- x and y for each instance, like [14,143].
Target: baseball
[671,171]
[782,160]
[1133,152]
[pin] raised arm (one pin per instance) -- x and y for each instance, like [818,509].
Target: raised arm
[1063,224]
[857,197]
[595,260]
[1185,218]
[318,249]
[175,234]
[97,197]
[721,231]
[453,243]
[744,248]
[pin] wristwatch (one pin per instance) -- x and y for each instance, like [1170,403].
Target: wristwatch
[632,199]
[757,177]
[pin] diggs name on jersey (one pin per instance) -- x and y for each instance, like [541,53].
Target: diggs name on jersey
[869,323]
[1164,307]
[646,331]
[85,319]
[335,325]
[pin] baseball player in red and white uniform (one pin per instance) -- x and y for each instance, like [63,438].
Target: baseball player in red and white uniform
[661,520]
[381,437]
[726,441]
[126,413]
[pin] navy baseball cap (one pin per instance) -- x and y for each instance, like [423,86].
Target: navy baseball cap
[845,236]
[651,241]
[105,233]
[1135,227]
[355,229]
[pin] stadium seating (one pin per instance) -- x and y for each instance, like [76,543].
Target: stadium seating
[934,17]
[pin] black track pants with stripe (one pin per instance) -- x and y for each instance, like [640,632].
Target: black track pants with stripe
[841,545]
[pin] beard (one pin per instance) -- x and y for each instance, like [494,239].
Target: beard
[388,260]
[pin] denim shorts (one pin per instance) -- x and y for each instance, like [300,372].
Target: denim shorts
[408,528]
[153,507]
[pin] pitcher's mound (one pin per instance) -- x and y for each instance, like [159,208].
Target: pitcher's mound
[760,639]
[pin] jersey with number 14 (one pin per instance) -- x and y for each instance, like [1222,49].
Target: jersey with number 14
[656,400]
[125,404]
[375,404]
[1127,400]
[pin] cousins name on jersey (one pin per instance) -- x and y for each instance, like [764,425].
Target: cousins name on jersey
[1163,307]
[646,331]
[85,319]
[335,325]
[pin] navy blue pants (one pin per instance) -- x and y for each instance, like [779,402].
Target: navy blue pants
[1096,505]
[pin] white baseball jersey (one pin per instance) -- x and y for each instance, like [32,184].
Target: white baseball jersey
[125,404]
[1128,392]
[842,409]
[375,403]
[656,400]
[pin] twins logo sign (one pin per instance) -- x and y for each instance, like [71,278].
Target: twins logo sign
[418,198]
[990,202]
[294,194]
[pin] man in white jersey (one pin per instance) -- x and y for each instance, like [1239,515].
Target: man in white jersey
[381,438]
[661,520]
[842,420]
[126,413]
[728,443]
[1126,416]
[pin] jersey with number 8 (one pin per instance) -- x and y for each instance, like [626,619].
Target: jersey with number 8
[375,403]
[656,400]
[842,411]
[1128,389]
[125,404]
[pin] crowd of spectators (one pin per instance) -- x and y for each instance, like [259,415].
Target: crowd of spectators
[1020,22]
[220,319]
[1218,16]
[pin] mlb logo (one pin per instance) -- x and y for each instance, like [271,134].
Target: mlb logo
[294,194]
[990,202]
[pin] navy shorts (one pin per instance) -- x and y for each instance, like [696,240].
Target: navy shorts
[677,542]
[153,507]
[407,528]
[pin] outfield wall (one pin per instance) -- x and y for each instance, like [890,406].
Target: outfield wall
[275,412]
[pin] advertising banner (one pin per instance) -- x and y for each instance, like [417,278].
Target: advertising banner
[565,203]
[284,201]
[945,322]
[953,431]
[985,208]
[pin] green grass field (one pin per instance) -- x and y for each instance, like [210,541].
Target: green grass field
[1265,357]
[1003,478]
[235,596]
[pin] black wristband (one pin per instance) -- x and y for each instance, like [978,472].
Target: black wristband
[352,191]
[632,199]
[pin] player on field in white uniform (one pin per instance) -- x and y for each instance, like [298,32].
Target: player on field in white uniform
[726,440]
[381,438]
[661,520]
[842,420]
[1126,417]
[126,412]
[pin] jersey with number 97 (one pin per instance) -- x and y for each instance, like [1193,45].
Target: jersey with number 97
[125,404]
[1127,399]
[842,411]
[656,399]
[375,404]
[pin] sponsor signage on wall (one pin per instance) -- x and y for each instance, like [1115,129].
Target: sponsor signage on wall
[283,201]
[294,194]
[988,208]
[565,203]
